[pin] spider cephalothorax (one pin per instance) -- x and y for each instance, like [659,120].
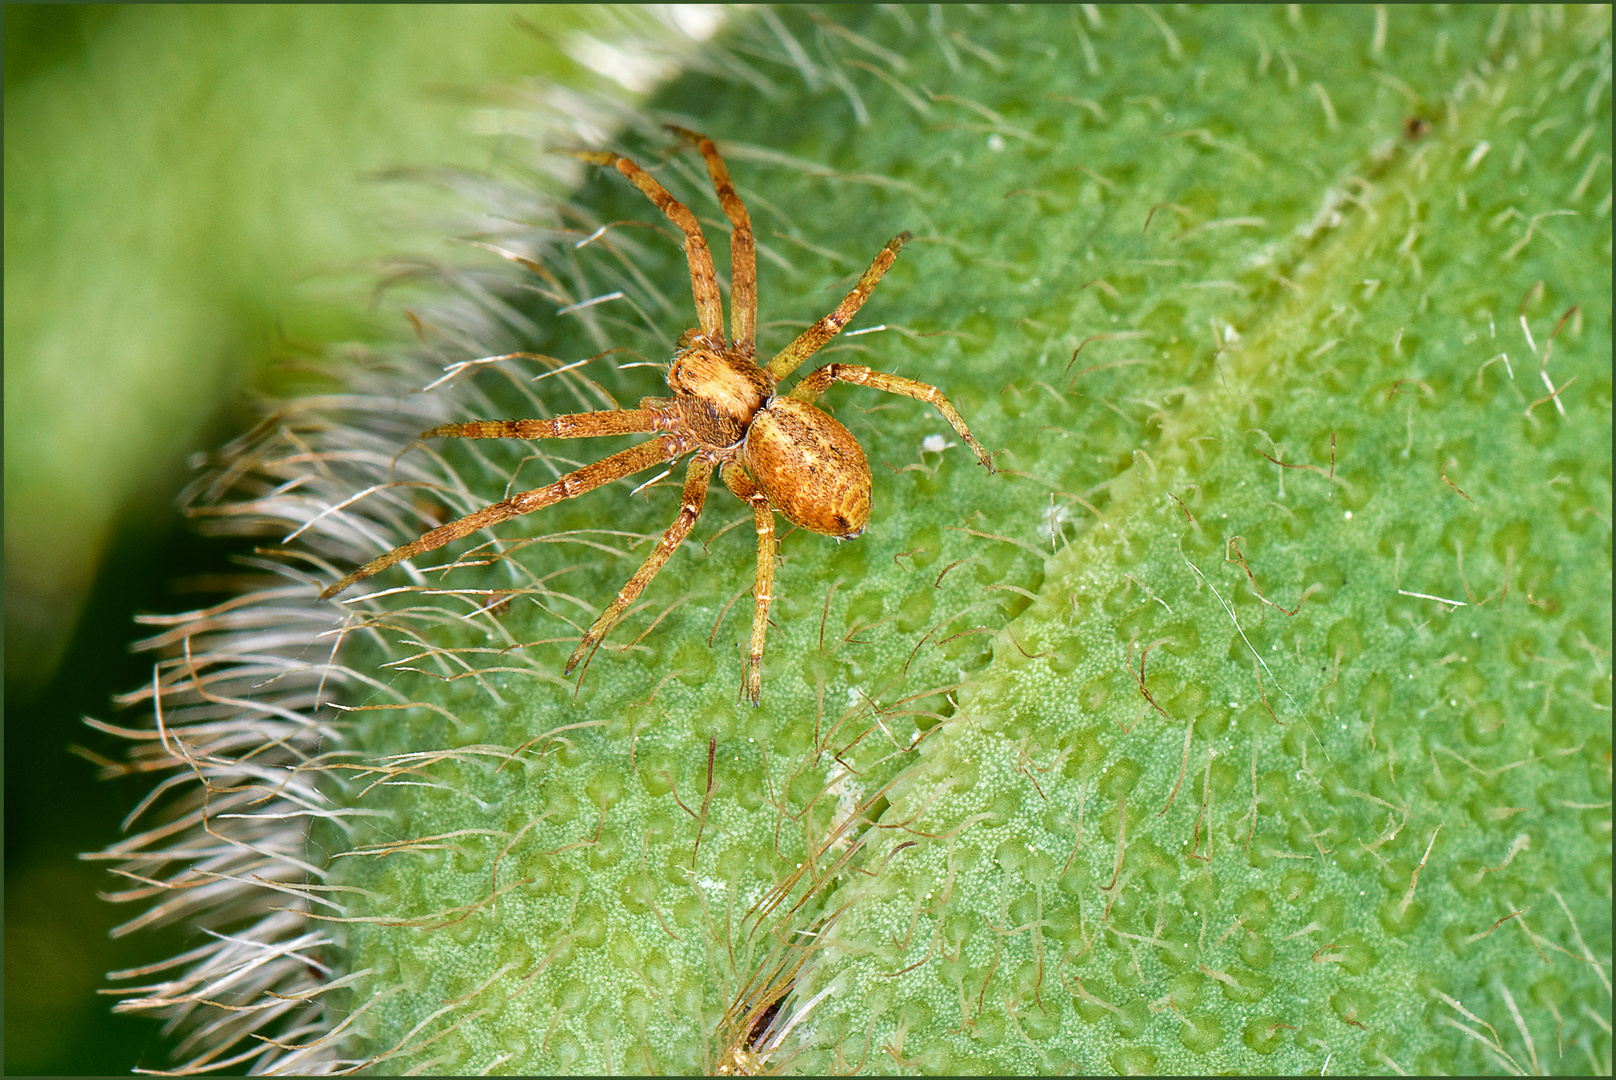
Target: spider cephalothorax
[774,451]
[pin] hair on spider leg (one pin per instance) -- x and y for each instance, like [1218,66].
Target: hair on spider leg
[778,453]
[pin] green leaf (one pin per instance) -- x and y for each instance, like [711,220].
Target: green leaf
[1253,717]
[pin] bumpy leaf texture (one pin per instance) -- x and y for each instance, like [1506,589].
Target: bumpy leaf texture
[1254,717]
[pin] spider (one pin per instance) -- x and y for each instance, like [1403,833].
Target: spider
[775,452]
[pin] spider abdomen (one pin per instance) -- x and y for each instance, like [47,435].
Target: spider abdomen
[810,467]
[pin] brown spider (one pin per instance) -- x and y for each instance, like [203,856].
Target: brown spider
[775,452]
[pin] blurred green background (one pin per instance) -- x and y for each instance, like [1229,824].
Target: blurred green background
[190,191]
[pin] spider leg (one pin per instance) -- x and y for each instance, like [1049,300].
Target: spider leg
[568,426]
[696,478]
[742,246]
[575,483]
[812,339]
[703,279]
[763,587]
[819,381]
